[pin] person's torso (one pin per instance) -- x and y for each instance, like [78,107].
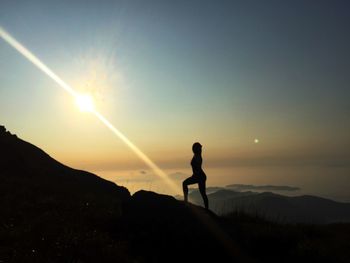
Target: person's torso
[196,164]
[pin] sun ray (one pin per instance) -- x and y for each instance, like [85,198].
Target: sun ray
[32,58]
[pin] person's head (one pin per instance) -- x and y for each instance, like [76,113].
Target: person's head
[197,148]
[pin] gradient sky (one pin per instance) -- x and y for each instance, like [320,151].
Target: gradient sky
[168,73]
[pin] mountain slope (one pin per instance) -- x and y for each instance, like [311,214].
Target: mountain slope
[44,202]
[27,162]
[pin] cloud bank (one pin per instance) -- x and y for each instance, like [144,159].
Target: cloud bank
[247,187]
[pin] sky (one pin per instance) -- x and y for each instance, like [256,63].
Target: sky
[169,73]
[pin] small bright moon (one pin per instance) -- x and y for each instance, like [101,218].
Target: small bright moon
[256,140]
[85,103]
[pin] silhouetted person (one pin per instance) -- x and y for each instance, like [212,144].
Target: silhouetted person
[198,176]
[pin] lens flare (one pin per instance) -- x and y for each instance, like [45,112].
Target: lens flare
[85,103]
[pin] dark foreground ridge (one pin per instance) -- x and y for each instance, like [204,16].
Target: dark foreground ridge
[53,213]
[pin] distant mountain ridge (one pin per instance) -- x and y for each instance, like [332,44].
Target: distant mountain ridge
[297,209]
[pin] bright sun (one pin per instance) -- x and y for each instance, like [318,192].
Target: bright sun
[85,102]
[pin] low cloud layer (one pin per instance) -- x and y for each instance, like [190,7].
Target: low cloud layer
[245,187]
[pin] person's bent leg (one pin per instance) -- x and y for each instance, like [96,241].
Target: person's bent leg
[188,181]
[201,186]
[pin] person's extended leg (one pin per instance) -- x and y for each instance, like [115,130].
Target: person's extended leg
[201,186]
[188,181]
